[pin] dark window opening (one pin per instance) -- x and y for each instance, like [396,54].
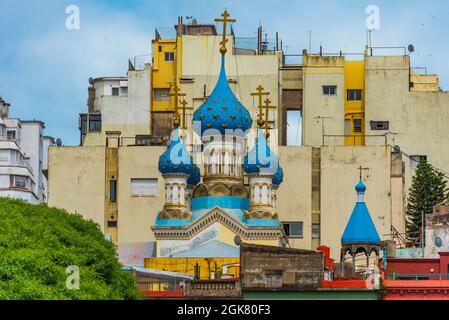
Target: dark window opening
[113,191]
[329,90]
[380,125]
[354,95]
[112,224]
[95,123]
[293,229]
[115,91]
[315,231]
[169,56]
[357,125]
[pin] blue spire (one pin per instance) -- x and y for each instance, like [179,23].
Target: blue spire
[360,227]
[222,110]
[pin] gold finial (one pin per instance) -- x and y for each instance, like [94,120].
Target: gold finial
[260,93]
[268,106]
[225,21]
[184,108]
[176,94]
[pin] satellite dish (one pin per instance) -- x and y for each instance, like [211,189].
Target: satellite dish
[91,80]
[58,142]
[411,48]
[397,149]
[237,240]
[304,52]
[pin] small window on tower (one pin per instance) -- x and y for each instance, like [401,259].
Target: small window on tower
[169,56]
[293,229]
[115,91]
[357,125]
[354,95]
[380,125]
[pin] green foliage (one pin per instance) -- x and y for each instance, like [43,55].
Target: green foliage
[428,189]
[38,243]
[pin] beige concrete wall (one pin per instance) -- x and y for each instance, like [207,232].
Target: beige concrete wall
[419,118]
[339,175]
[76,181]
[294,196]
[320,71]
[138,214]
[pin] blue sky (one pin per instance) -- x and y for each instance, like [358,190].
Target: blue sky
[44,67]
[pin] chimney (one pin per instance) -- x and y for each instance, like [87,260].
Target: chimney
[4,108]
[91,97]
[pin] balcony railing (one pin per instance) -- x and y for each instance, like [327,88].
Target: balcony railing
[406,276]
[16,163]
[224,288]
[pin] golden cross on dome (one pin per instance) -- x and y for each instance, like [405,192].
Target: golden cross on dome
[361,170]
[184,108]
[225,21]
[176,94]
[268,106]
[260,93]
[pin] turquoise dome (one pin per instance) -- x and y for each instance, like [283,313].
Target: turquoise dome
[222,111]
[360,187]
[176,159]
[261,157]
[278,177]
[195,176]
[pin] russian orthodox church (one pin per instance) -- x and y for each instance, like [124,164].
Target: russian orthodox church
[203,215]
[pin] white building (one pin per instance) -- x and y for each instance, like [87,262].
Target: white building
[23,157]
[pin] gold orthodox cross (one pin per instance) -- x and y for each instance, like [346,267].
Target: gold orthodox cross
[361,171]
[260,93]
[225,21]
[176,94]
[268,106]
[184,108]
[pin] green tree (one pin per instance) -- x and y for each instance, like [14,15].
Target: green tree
[429,188]
[38,244]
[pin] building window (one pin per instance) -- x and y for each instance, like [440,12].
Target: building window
[113,190]
[380,125]
[347,127]
[95,123]
[293,229]
[115,91]
[329,90]
[161,94]
[83,127]
[415,160]
[112,224]
[357,125]
[11,135]
[18,182]
[124,91]
[354,95]
[315,231]
[169,56]
[144,187]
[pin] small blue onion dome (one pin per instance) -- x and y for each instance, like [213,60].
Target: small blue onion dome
[360,187]
[222,111]
[278,178]
[195,176]
[176,159]
[261,157]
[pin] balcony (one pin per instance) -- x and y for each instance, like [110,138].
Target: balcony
[224,288]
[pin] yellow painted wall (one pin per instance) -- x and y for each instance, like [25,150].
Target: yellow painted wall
[355,79]
[163,72]
[187,265]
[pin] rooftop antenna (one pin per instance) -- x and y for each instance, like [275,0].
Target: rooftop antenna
[310,41]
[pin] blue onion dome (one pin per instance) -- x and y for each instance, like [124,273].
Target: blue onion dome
[222,111]
[260,159]
[195,176]
[278,178]
[176,159]
[360,187]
